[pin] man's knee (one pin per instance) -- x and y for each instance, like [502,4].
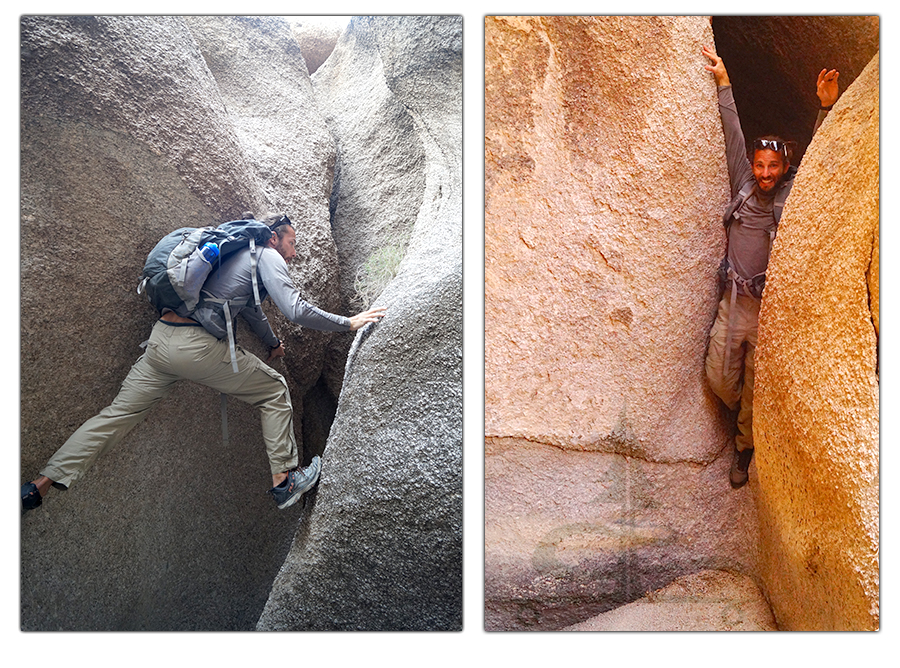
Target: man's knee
[271,388]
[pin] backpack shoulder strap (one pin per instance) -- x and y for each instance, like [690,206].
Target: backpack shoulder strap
[783,192]
[738,201]
[253,277]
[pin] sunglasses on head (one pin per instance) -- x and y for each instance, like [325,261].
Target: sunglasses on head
[770,145]
[284,220]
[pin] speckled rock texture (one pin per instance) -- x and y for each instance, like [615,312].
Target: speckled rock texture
[605,448]
[381,542]
[602,234]
[317,40]
[705,601]
[816,421]
[129,129]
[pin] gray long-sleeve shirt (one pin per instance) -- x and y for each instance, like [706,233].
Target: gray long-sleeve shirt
[233,281]
[749,234]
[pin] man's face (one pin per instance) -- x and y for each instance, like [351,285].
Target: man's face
[768,168]
[286,245]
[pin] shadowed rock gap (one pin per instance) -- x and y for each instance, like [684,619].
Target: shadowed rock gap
[773,63]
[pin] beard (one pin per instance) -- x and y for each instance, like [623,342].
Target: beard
[769,187]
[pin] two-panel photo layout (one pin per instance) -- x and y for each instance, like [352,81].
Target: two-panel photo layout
[241,302]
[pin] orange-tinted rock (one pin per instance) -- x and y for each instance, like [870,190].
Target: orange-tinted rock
[816,421]
[570,535]
[605,183]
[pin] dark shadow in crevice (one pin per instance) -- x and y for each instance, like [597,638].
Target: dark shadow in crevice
[773,63]
[319,408]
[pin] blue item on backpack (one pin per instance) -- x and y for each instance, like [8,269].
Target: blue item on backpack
[180,263]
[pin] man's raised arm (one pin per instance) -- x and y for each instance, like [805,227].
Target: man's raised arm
[827,90]
[739,170]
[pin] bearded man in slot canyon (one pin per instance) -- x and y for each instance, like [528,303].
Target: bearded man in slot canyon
[761,181]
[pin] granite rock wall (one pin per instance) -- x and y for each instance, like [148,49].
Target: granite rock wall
[381,543]
[125,135]
[816,421]
[606,456]
[602,238]
[132,127]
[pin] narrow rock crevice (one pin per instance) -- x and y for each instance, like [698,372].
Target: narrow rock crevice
[634,180]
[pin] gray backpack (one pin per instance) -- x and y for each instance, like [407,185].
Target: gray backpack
[177,267]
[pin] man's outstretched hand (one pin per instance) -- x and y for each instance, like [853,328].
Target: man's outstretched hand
[360,320]
[275,353]
[717,67]
[827,87]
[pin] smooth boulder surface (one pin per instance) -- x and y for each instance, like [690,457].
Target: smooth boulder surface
[571,535]
[603,235]
[705,601]
[379,174]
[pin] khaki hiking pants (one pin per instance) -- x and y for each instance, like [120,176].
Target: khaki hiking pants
[182,353]
[734,385]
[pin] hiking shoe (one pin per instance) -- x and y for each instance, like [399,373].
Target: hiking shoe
[31,497]
[739,466]
[298,482]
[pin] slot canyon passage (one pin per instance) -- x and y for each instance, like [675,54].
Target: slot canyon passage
[135,126]
[607,501]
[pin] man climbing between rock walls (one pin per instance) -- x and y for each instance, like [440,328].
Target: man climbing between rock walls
[196,348]
[760,184]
